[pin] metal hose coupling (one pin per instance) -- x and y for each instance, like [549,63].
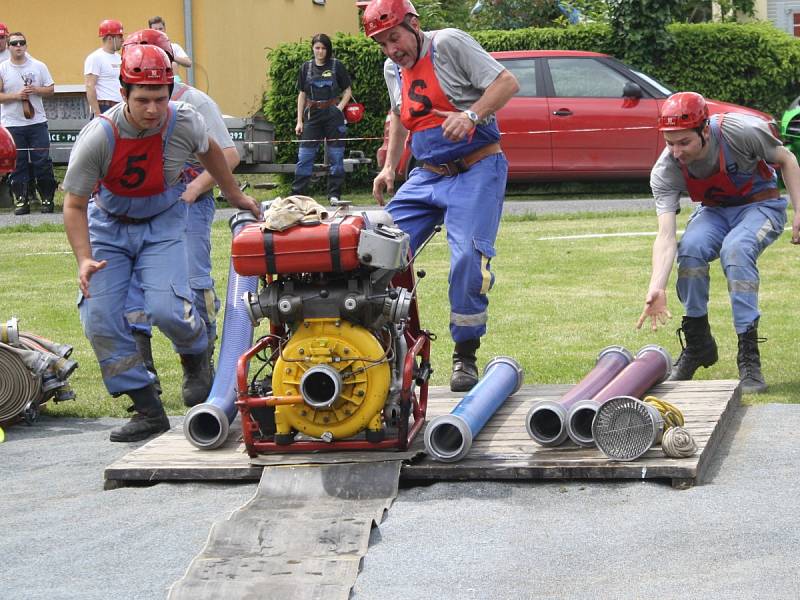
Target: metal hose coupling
[448,438]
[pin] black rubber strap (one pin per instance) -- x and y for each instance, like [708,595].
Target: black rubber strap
[269,252]
[333,238]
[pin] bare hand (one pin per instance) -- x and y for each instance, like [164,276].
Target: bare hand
[383,182]
[298,129]
[22,95]
[244,202]
[85,271]
[189,195]
[655,308]
[457,126]
[28,90]
[796,228]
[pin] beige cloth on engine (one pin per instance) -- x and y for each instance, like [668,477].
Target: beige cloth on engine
[285,212]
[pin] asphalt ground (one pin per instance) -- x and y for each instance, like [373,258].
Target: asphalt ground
[736,536]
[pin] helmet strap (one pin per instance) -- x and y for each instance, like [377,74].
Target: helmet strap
[417,36]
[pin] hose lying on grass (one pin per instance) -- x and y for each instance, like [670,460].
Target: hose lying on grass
[33,370]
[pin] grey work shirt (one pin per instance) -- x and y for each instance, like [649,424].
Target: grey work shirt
[205,105]
[749,141]
[91,154]
[464,69]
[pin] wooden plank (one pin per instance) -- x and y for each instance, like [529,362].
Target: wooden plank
[502,450]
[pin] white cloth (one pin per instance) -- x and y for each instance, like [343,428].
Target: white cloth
[286,212]
[104,65]
[34,72]
[177,51]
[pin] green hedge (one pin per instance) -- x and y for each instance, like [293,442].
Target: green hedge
[755,65]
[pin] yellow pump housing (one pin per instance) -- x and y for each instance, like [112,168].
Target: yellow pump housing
[323,357]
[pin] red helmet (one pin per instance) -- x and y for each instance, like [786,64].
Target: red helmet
[152,37]
[381,15]
[684,110]
[353,112]
[110,27]
[146,65]
[8,152]
[3,29]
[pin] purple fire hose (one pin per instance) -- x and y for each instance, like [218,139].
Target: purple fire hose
[547,420]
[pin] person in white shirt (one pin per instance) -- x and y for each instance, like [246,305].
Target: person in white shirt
[4,53]
[23,82]
[179,56]
[101,69]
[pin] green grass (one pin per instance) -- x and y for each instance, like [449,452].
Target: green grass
[555,304]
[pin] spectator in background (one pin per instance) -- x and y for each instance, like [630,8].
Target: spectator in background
[101,69]
[323,86]
[179,56]
[23,82]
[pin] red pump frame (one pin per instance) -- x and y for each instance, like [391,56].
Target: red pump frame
[411,404]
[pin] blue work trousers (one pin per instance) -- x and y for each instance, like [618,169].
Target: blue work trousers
[737,236]
[470,205]
[198,255]
[328,124]
[33,159]
[155,252]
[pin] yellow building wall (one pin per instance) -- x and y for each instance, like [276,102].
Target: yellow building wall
[231,38]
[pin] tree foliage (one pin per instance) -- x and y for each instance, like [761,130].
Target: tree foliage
[640,30]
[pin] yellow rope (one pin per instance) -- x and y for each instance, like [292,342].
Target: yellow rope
[677,442]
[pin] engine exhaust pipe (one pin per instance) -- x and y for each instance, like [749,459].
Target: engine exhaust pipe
[448,438]
[207,425]
[651,366]
[547,420]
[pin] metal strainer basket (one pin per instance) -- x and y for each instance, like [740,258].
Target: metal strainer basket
[625,428]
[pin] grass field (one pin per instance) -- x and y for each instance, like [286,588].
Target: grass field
[558,300]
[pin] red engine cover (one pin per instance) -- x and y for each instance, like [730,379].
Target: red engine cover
[329,246]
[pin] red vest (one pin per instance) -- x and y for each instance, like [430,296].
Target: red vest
[137,164]
[421,94]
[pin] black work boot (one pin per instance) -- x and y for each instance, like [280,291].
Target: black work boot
[749,360]
[145,350]
[465,366]
[48,205]
[21,206]
[149,417]
[700,349]
[196,378]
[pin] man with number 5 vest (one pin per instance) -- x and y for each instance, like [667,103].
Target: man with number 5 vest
[136,223]
[444,88]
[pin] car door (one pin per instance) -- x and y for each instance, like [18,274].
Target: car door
[596,129]
[525,123]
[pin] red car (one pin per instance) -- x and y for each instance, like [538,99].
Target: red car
[579,115]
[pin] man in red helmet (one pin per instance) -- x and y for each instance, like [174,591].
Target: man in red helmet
[101,69]
[723,163]
[136,223]
[445,89]
[8,152]
[199,192]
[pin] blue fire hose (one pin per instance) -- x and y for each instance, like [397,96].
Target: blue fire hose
[448,438]
[206,425]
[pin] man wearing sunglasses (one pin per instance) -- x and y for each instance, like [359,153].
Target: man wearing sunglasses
[23,82]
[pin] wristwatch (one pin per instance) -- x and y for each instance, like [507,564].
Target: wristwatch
[472,116]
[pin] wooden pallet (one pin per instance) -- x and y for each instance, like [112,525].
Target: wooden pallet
[502,450]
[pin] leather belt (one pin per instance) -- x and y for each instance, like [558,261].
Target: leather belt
[768,194]
[463,164]
[321,103]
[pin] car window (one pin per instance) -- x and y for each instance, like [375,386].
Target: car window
[656,84]
[525,72]
[585,77]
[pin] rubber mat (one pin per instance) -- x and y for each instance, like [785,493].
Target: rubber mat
[302,536]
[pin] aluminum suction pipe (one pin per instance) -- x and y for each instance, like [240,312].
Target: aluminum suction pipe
[448,438]
[651,366]
[547,420]
[207,425]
